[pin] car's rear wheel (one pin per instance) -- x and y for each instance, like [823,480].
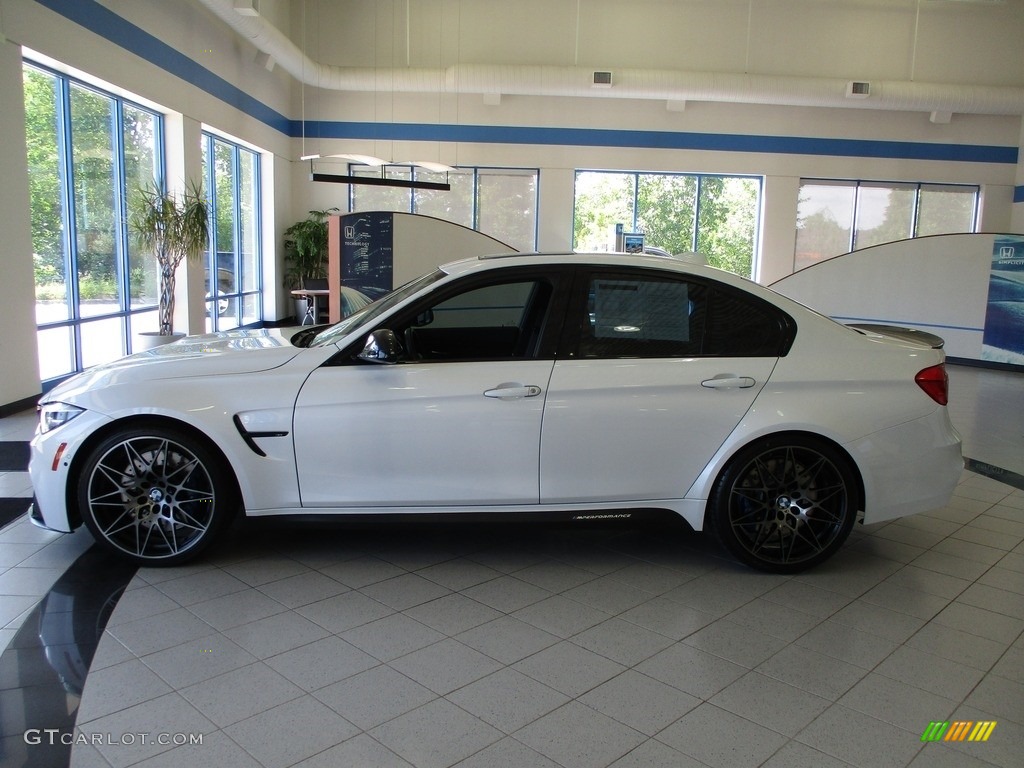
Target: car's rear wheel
[156,495]
[784,504]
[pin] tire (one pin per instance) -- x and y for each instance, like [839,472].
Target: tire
[155,495]
[784,504]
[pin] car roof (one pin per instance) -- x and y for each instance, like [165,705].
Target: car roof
[669,263]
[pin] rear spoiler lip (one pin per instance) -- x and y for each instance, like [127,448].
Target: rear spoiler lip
[902,333]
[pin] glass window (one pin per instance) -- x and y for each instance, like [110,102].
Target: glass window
[234,261]
[885,212]
[650,316]
[456,205]
[501,203]
[374,198]
[507,206]
[94,203]
[494,321]
[678,213]
[824,221]
[835,217]
[642,317]
[142,164]
[739,325]
[603,200]
[89,154]
[945,209]
[666,210]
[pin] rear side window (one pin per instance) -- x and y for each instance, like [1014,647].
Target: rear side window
[739,325]
[653,316]
[642,317]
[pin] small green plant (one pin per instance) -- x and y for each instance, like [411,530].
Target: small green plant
[173,227]
[305,249]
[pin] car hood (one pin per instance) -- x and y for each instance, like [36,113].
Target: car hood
[229,352]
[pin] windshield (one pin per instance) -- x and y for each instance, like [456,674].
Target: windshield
[371,311]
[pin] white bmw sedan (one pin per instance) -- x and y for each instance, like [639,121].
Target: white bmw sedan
[579,387]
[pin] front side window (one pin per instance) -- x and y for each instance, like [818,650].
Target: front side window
[493,321]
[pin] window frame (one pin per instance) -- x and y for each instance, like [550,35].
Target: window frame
[236,298]
[126,314]
[560,278]
[578,309]
[698,201]
[414,172]
[857,186]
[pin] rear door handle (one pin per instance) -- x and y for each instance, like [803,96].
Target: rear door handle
[728,381]
[513,391]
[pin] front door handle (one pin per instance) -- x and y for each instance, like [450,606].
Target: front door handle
[513,391]
[728,381]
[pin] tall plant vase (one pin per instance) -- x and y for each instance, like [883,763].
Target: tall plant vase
[174,227]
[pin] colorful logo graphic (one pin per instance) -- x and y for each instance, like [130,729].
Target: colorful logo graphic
[959,730]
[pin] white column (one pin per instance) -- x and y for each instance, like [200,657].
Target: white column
[19,354]
[185,166]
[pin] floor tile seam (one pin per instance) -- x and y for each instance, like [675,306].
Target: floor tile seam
[289,698]
[918,749]
[848,600]
[571,699]
[997,589]
[986,670]
[786,737]
[877,670]
[255,661]
[785,641]
[1018,720]
[938,713]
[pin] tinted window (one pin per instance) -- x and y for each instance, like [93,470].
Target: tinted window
[495,321]
[651,316]
[739,325]
[642,317]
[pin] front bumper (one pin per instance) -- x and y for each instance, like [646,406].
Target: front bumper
[49,467]
[35,516]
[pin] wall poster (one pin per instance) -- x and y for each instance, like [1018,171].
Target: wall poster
[1003,341]
[367,252]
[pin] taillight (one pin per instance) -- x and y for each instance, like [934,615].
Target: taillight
[935,382]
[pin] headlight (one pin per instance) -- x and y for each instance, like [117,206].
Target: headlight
[53,415]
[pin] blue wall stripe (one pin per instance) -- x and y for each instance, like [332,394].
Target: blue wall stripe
[109,25]
[1018,194]
[720,142]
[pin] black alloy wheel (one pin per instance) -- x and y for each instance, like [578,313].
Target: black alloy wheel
[784,504]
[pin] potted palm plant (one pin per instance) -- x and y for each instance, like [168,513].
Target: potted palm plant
[305,253]
[173,227]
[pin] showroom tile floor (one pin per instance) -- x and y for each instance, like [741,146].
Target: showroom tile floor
[527,646]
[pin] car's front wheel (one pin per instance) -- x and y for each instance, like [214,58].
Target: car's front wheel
[156,495]
[784,504]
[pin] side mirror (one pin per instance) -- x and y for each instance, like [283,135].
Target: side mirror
[382,346]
